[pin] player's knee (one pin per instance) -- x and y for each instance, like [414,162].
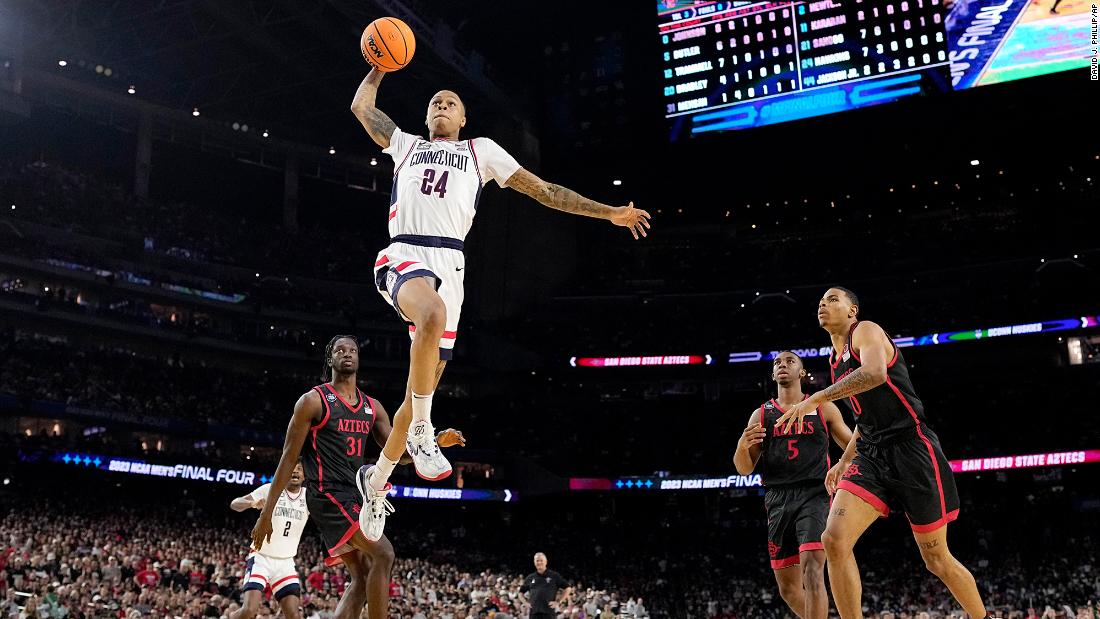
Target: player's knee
[432,318]
[813,573]
[836,543]
[938,563]
[384,558]
[788,590]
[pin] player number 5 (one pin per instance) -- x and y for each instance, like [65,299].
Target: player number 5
[792,448]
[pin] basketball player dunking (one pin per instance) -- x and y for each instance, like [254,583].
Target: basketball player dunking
[893,462]
[436,186]
[330,425]
[794,466]
[272,568]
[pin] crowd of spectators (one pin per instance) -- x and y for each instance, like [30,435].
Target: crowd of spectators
[184,560]
[101,549]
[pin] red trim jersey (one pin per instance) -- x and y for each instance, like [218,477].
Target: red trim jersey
[889,411]
[793,457]
[437,183]
[336,447]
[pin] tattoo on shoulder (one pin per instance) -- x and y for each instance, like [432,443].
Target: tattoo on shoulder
[379,125]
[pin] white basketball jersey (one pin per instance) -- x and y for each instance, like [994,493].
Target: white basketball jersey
[287,521]
[437,183]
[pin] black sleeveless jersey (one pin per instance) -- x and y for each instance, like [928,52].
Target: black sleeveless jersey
[336,447]
[887,412]
[791,458]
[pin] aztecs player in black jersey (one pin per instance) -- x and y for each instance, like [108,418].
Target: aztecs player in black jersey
[793,464]
[894,461]
[332,424]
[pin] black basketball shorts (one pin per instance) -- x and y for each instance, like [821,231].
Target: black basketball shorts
[910,475]
[336,514]
[796,519]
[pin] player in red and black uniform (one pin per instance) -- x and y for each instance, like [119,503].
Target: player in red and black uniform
[331,426]
[793,465]
[894,462]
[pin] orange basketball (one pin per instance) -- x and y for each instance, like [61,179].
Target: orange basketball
[387,44]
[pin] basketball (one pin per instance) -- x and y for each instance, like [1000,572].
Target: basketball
[387,44]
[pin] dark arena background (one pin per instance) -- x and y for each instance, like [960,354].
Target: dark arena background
[189,212]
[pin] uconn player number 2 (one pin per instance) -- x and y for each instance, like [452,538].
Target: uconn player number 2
[440,186]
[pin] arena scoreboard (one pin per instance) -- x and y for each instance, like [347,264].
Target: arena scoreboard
[736,65]
[739,64]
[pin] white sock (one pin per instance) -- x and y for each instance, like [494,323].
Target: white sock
[422,407]
[381,473]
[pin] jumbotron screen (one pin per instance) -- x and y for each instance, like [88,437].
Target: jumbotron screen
[741,64]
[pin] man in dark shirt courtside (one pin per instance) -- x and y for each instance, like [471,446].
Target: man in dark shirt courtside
[542,587]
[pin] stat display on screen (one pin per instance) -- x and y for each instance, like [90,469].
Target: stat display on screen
[740,64]
[736,65]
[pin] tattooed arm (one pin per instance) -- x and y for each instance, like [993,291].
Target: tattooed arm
[565,199]
[377,124]
[874,348]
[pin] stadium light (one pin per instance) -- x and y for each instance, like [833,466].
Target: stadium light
[332,150]
[107,71]
[62,63]
[99,69]
[373,161]
[131,90]
[195,112]
[974,162]
[616,182]
[236,126]
[265,133]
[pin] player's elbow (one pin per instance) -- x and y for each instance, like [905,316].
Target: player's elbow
[876,373]
[743,468]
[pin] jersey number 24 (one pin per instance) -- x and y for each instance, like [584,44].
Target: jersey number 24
[429,183]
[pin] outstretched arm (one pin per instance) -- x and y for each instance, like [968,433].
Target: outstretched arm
[242,503]
[569,201]
[871,343]
[874,348]
[377,124]
[307,411]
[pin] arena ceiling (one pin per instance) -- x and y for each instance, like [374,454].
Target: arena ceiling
[291,66]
